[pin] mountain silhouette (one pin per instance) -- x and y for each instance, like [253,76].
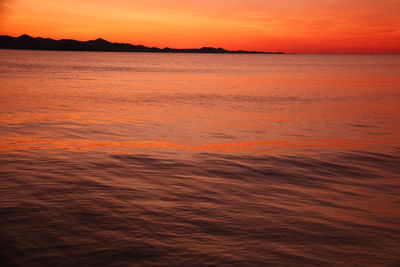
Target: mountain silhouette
[27,42]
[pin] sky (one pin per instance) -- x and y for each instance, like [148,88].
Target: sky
[295,26]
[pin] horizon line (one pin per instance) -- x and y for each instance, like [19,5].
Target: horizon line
[188,48]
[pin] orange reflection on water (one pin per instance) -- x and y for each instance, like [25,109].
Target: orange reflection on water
[271,146]
[227,103]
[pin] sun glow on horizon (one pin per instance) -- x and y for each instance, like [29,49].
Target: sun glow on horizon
[302,26]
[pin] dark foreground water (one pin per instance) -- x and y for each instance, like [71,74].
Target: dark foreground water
[124,159]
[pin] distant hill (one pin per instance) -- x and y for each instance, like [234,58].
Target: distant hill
[39,43]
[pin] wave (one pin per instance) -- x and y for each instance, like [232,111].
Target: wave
[204,209]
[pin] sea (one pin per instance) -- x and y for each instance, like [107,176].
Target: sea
[170,159]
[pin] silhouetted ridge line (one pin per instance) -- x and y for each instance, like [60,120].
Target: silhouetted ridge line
[27,42]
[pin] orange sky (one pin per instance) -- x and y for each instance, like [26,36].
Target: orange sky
[301,26]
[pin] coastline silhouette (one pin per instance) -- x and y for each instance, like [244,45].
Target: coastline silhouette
[27,42]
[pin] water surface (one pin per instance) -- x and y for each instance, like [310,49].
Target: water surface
[199,159]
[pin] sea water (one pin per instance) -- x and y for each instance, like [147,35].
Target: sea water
[126,159]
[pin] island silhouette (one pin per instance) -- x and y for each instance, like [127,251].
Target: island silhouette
[27,42]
